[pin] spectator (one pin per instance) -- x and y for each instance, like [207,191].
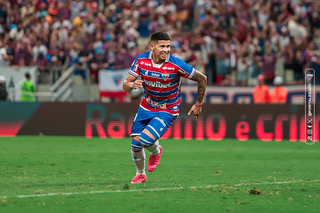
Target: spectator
[43,69]
[59,54]
[3,89]
[23,53]
[181,13]
[163,12]
[4,57]
[269,65]
[298,66]
[55,69]
[17,31]
[314,63]
[243,65]
[296,29]
[27,89]
[3,12]
[278,94]
[42,11]
[261,91]
[99,61]
[143,29]
[255,70]
[37,49]
[80,65]
[76,7]
[284,37]
[224,69]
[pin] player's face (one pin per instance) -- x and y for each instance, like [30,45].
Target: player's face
[161,49]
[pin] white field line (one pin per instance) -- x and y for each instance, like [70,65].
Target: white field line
[156,189]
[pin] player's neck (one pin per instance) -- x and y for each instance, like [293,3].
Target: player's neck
[157,60]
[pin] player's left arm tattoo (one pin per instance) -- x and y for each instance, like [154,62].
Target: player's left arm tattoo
[202,85]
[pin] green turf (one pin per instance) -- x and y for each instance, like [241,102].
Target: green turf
[42,165]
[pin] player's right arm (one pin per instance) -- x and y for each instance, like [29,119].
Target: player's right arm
[131,83]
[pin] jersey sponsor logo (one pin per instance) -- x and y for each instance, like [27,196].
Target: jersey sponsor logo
[161,121]
[168,68]
[156,104]
[143,63]
[165,76]
[157,84]
[183,72]
[155,74]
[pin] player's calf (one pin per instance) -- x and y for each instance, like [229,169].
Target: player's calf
[138,156]
[154,148]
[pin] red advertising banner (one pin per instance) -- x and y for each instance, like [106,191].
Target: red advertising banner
[113,120]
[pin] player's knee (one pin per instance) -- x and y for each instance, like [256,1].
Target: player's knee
[153,132]
[136,146]
[136,138]
[146,140]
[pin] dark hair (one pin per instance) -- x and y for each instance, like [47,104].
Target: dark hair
[27,75]
[155,37]
[40,55]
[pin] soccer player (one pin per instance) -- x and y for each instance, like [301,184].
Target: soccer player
[161,80]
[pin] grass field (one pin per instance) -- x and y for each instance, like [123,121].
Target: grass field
[73,174]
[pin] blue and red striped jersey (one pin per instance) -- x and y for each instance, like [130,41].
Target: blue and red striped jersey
[161,82]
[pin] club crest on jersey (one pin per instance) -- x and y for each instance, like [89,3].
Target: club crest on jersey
[165,76]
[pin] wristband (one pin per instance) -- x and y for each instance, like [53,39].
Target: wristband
[130,84]
[198,105]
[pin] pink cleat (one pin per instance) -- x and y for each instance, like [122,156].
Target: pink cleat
[154,160]
[139,179]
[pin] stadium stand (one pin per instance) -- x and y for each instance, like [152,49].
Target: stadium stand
[231,41]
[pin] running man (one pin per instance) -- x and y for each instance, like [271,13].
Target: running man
[161,80]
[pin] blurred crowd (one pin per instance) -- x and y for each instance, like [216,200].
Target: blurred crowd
[232,41]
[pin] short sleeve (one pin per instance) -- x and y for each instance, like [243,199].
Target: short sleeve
[185,70]
[134,69]
[3,51]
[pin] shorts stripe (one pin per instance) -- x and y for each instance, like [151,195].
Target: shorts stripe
[148,142]
[154,130]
